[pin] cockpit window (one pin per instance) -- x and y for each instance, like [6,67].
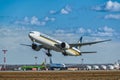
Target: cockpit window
[31,32]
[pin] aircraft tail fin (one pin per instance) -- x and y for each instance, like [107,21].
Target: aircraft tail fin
[79,41]
[81,38]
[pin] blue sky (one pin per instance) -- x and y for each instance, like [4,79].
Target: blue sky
[65,20]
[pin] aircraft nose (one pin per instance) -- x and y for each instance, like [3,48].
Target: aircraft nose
[30,34]
[33,33]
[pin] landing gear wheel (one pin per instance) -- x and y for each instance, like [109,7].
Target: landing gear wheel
[48,54]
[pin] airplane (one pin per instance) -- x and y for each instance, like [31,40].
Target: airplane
[57,66]
[41,40]
[30,67]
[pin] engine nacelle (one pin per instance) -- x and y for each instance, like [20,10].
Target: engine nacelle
[65,54]
[65,45]
[36,47]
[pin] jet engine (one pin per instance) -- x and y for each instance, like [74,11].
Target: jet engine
[36,47]
[65,45]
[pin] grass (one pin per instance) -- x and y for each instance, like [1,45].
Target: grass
[61,75]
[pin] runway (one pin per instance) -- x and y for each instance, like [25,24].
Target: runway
[60,75]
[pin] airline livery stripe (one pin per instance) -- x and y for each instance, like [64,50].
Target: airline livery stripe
[49,39]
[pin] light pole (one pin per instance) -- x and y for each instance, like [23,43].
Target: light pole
[4,60]
[82,61]
[35,60]
[119,61]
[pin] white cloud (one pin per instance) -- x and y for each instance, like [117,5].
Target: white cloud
[63,11]
[52,12]
[46,19]
[102,34]
[66,10]
[59,31]
[11,38]
[35,21]
[81,30]
[26,19]
[63,33]
[84,31]
[42,23]
[108,6]
[49,19]
[52,19]
[11,31]
[98,39]
[104,31]
[99,32]
[89,30]
[112,6]
[112,16]
[4,32]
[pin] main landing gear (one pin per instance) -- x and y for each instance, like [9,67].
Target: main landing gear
[48,53]
[48,50]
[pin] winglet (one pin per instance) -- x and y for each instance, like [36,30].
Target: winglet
[108,40]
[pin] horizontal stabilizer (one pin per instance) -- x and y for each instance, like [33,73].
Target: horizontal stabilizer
[88,52]
[26,45]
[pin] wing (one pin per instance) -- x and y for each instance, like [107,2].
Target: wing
[88,43]
[88,52]
[41,46]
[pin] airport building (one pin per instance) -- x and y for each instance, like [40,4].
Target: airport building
[58,66]
[73,67]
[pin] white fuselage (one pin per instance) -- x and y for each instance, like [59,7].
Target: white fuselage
[50,43]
